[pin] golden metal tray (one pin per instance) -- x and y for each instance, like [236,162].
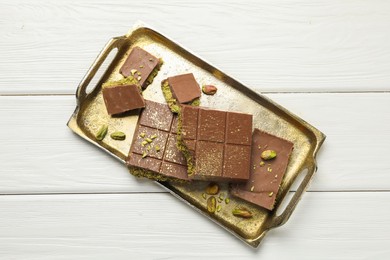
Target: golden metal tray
[91,113]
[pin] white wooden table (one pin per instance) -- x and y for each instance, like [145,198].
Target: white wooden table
[328,61]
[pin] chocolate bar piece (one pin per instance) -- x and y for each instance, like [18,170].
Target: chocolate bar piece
[142,66]
[184,88]
[216,144]
[181,89]
[266,175]
[153,153]
[122,98]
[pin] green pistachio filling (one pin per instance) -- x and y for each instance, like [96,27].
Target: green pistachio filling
[131,80]
[154,73]
[152,175]
[183,148]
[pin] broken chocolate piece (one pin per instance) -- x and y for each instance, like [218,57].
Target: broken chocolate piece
[141,65]
[264,181]
[217,144]
[153,153]
[184,88]
[172,102]
[122,98]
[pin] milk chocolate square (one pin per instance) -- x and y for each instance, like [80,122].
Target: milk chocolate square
[156,115]
[217,154]
[266,175]
[122,98]
[236,125]
[209,160]
[212,125]
[153,152]
[184,88]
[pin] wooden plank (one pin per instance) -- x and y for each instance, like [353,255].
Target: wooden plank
[39,154]
[346,225]
[355,150]
[329,45]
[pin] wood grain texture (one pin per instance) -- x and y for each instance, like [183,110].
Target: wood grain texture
[326,45]
[39,154]
[157,226]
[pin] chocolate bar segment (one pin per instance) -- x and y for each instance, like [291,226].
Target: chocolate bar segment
[213,150]
[181,89]
[184,88]
[153,153]
[266,175]
[140,65]
[122,98]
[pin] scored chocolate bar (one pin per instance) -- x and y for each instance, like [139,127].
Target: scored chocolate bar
[142,66]
[266,175]
[216,144]
[153,153]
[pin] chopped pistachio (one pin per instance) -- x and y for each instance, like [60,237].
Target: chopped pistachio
[148,148]
[142,135]
[252,188]
[262,163]
[138,73]
[153,136]
[141,66]
[221,195]
[144,154]
[144,143]
[148,140]
[227,200]
[269,169]
[204,195]
[219,207]
[270,194]
[139,78]
[157,147]
[211,204]
[133,71]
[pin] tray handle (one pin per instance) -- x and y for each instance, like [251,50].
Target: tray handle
[279,220]
[81,93]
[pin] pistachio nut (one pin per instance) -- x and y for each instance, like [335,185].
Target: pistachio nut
[118,135]
[242,212]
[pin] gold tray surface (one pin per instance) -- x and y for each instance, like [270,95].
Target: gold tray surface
[91,113]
